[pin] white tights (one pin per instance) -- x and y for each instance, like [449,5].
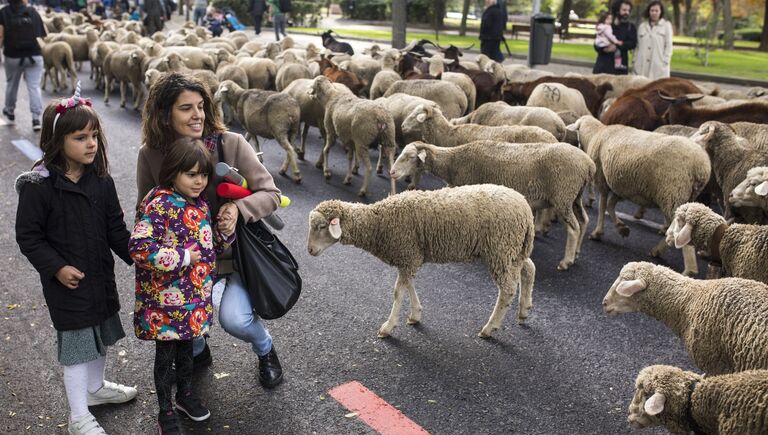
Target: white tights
[81,379]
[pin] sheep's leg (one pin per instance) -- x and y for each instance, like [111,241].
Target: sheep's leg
[618,223]
[73,77]
[137,95]
[323,162]
[639,213]
[300,153]
[414,316]
[689,259]
[583,218]
[362,155]
[527,277]
[507,283]
[290,159]
[590,194]
[598,231]
[660,249]
[391,157]
[573,229]
[356,166]
[107,85]
[79,65]
[45,77]
[415,178]
[122,93]
[379,164]
[389,325]
[350,163]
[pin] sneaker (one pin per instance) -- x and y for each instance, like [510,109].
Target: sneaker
[168,423]
[11,117]
[36,125]
[190,405]
[86,425]
[203,359]
[111,392]
[270,371]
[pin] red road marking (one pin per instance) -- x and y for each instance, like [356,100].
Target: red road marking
[374,411]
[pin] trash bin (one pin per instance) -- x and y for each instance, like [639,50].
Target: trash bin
[540,44]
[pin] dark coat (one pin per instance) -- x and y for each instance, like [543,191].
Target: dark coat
[492,23]
[626,33]
[60,223]
[257,7]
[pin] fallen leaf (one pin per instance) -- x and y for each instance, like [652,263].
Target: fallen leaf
[13,306]
[61,425]
[322,397]
[121,353]
[220,375]
[431,401]
[350,415]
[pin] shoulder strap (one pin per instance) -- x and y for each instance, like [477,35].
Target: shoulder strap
[219,148]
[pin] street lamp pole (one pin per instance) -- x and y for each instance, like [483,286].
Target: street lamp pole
[398,23]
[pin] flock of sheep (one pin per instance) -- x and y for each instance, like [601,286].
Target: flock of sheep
[520,149]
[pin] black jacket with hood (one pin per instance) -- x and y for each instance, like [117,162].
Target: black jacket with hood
[60,223]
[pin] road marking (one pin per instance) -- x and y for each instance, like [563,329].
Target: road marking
[374,411]
[4,122]
[28,149]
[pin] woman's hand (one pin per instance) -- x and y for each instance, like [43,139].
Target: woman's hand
[69,277]
[227,218]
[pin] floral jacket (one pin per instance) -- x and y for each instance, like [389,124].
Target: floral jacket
[173,301]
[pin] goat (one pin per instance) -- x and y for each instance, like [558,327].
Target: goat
[335,46]
[642,108]
[681,112]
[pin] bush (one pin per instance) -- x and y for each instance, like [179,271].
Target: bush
[365,9]
[239,7]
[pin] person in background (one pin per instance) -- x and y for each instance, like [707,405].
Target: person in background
[604,37]
[257,8]
[654,43]
[492,30]
[199,14]
[156,14]
[20,25]
[277,17]
[625,32]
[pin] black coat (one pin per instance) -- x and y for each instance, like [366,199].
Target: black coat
[257,7]
[626,33]
[60,223]
[492,23]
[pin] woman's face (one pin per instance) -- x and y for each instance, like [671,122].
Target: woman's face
[655,13]
[188,116]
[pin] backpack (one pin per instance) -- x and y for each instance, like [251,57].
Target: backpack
[285,6]
[20,25]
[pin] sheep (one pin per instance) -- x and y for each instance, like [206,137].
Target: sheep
[384,78]
[226,69]
[261,72]
[125,66]
[756,134]
[457,224]
[463,81]
[400,106]
[292,69]
[79,44]
[521,73]
[357,123]
[548,175]
[501,113]
[753,191]
[723,322]
[175,62]
[268,114]
[365,68]
[676,130]
[740,249]
[450,98]
[194,57]
[620,84]
[731,156]
[57,57]
[429,124]
[649,169]
[684,401]
[312,112]
[519,92]
[643,107]
[559,98]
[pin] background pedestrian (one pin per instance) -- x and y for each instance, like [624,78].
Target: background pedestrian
[257,8]
[625,32]
[278,18]
[654,43]
[198,16]
[492,30]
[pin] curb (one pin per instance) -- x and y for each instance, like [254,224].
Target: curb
[685,75]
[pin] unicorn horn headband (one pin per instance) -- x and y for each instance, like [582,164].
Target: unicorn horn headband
[69,103]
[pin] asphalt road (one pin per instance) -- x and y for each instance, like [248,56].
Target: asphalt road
[569,370]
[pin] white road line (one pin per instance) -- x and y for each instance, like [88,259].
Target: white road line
[28,149]
[3,121]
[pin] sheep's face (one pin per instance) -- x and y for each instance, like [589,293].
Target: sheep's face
[619,298]
[753,191]
[414,122]
[409,163]
[323,232]
[661,398]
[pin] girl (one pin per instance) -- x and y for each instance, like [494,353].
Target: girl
[173,247]
[604,37]
[68,220]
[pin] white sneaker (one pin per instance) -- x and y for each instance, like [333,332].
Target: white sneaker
[87,425]
[111,393]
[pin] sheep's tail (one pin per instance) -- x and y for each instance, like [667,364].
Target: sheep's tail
[527,247]
[382,126]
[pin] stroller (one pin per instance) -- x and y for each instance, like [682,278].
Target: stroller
[217,20]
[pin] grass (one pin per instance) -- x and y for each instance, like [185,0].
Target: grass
[733,63]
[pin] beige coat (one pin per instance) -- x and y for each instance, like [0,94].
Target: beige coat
[654,50]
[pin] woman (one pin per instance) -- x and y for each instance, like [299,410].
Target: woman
[654,43]
[179,106]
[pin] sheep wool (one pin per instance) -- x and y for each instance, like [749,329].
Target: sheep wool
[753,191]
[458,224]
[684,401]
[723,322]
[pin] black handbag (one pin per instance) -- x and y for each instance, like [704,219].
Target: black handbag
[269,272]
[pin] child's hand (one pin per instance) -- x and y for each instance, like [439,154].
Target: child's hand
[69,277]
[194,255]
[619,43]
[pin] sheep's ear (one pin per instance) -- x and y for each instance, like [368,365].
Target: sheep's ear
[629,288]
[335,228]
[422,155]
[655,404]
[683,237]
[762,189]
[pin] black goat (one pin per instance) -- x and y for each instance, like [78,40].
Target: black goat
[335,46]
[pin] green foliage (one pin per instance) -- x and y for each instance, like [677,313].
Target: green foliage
[365,9]
[306,13]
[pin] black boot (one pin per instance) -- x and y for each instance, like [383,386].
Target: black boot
[270,372]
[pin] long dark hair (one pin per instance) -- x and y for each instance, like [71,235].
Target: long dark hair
[76,118]
[647,13]
[181,156]
[156,130]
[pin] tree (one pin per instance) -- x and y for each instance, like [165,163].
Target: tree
[464,13]
[764,36]
[565,16]
[727,25]
[676,18]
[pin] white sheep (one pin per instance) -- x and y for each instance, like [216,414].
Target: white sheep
[649,169]
[450,97]
[291,69]
[464,82]
[683,401]
[559,98]
[57,60]
[125,67]
[548,175]
[428,124]
[386,77]
[753,191]
[458,224]
[500,113]
[400,106]
[261,72]
[740,249]
[723,322]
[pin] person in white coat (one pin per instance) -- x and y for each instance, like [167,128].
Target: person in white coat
[654,43]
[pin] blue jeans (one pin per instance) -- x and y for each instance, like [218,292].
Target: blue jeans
[279,22]
[15,68]
[199,16]
[236,316]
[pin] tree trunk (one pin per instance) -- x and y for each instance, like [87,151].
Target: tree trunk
[676,18]
[439,11]
[565,17]
[398,23]
[690,26]
[764,36]
[727,25]
[464,13]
